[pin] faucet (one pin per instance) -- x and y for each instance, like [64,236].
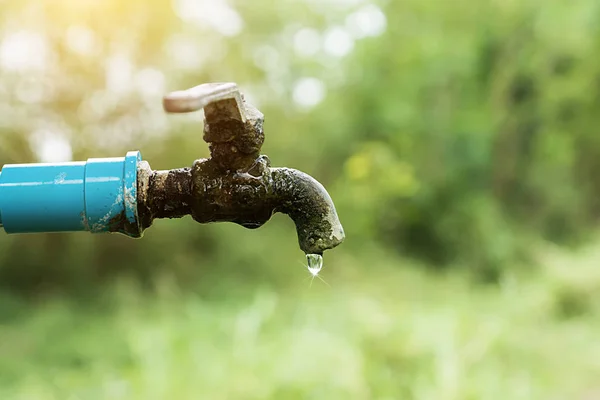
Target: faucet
[124,195]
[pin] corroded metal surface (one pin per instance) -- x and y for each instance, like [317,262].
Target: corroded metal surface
[236,184]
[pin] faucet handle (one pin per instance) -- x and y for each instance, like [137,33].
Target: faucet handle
[233,128]
[220,101]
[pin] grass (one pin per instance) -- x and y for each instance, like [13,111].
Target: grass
[384,330]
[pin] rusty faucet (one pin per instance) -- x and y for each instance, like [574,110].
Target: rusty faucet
[236,184]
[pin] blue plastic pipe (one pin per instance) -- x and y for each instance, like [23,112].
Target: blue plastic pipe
[97,195]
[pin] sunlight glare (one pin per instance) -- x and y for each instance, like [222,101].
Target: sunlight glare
[119,74]
[307,42]
[150,82]
[184,53]
[217,14]
[51,146]
[338,42]
[81,40]
[308,92]
[368,21]
[24,50]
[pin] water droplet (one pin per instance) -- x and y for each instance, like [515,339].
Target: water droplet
[315,263]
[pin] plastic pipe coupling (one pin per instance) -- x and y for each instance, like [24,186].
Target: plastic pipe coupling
[98,195]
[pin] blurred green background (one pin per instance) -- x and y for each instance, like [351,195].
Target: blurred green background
[459,140]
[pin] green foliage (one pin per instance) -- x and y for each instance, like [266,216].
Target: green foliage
[491,111]
[391,333]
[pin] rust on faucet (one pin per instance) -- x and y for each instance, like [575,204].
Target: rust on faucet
[236,184]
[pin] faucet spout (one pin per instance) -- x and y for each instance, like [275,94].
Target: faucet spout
[236,184]
[309,205]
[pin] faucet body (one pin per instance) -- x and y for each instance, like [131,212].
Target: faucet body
[236,184]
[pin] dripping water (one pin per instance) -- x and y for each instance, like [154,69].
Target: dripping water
[315,263]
